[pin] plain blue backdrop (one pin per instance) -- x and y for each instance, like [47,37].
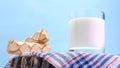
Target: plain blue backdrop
[21,18]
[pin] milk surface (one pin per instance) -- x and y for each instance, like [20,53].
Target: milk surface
[86,33]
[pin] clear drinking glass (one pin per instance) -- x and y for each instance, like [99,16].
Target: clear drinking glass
[87,30]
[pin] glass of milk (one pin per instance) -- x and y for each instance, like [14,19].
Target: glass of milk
[87,30]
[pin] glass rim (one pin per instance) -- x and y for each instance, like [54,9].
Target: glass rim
[88,9]
[85,9]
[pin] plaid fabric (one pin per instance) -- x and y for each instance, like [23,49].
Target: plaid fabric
[78,60]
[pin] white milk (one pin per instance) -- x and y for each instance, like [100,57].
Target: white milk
[87,33]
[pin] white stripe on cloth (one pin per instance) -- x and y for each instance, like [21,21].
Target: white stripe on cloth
[88,59]
[96,58]
[73,60]
[101,60]
[114,62]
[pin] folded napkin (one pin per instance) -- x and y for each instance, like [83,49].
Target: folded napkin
[77,60]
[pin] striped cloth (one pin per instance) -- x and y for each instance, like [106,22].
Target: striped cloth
[78,60]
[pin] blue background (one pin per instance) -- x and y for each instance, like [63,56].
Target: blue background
[21,18]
